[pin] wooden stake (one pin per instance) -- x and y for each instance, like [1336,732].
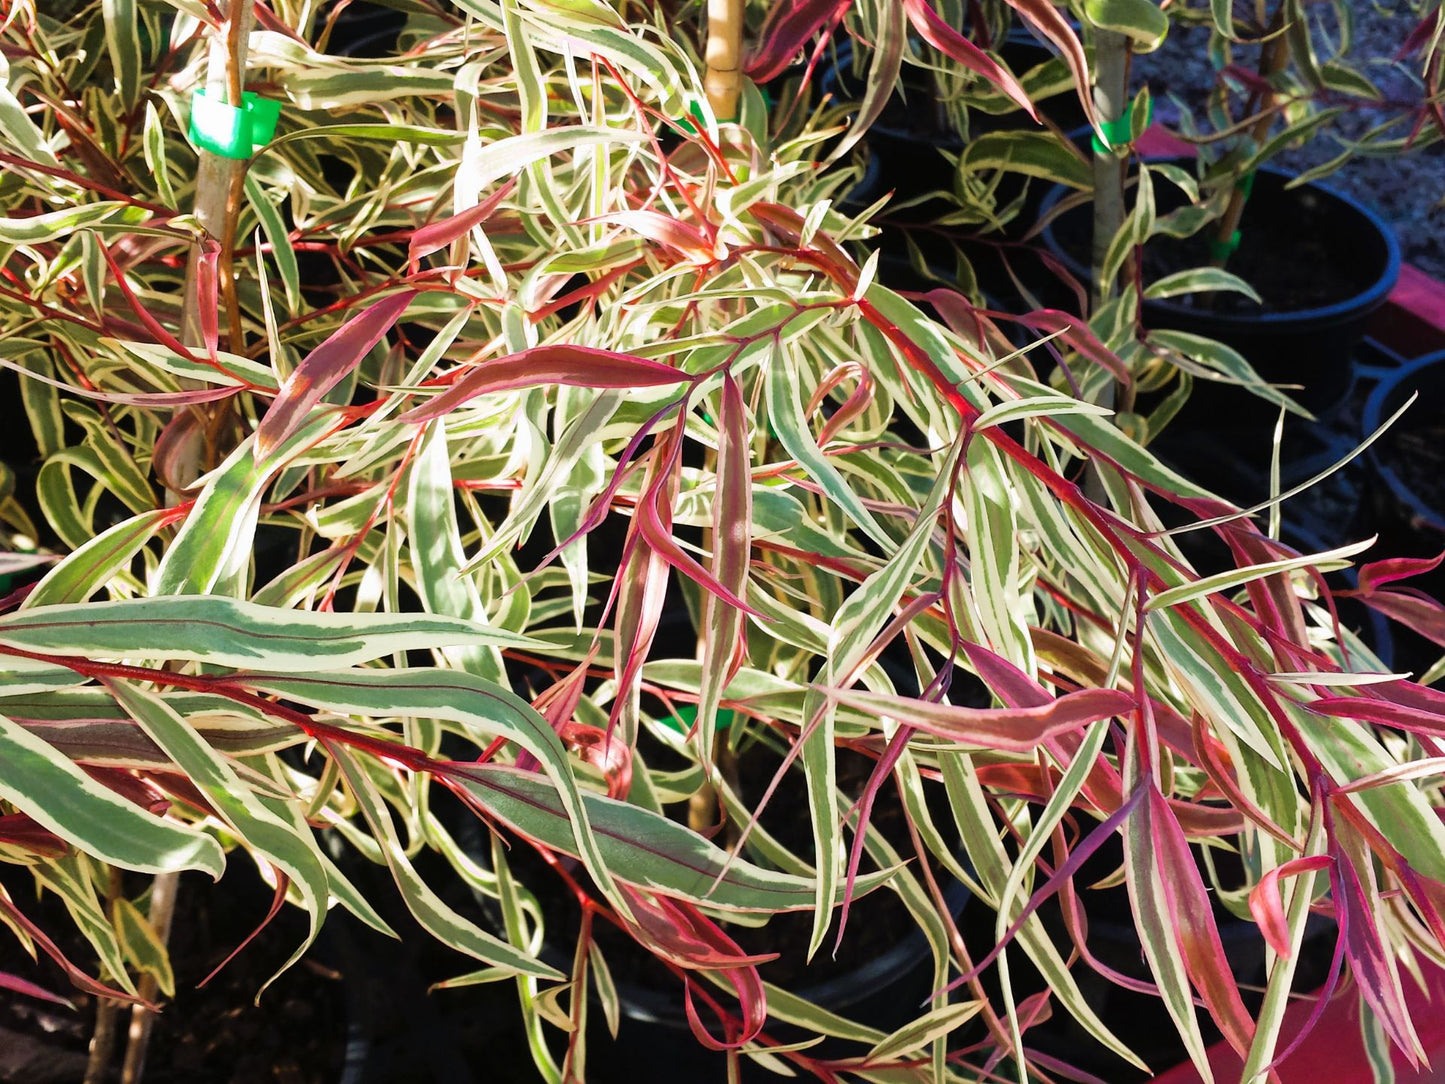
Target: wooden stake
[724,79]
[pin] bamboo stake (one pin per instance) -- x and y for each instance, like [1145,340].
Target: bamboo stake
[724,79]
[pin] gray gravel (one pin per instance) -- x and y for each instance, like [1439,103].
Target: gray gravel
[1408,191]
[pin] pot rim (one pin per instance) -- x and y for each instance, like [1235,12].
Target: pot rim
[1281,323]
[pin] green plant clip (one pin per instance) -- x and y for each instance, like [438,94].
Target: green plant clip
[686,718]
[693,121]
[231,132]
[1222,250]
[1120,132]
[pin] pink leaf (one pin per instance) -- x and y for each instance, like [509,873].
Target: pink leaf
[1044,17]
[950,42]
[208,298]
[1077,334]
[1413,609]
[1371,963]
[665,230]
[578,366]
[1378,573]
[437,235]
[324,368]
[788,224]
[1374,709]
[789,25]
[1018,730]
[676,931]
[854,405]
[51,949]
[660,539]
[29,989]
[1194,927]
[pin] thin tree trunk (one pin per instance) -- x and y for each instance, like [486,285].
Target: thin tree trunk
[107,1011]
[162,911]
[1111,96]
[1273,59]
[220,185]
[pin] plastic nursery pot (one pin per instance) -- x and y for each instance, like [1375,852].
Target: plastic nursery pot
[1321,262]
[1141,1020]
[911,147]
[366,30]
[1407,459]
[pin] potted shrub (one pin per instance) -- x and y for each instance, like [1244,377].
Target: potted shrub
[1227,220]
[580,417]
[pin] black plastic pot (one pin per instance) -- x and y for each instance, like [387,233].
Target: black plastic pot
[910,150]
[1396,458]
[366,30]
[1308,346]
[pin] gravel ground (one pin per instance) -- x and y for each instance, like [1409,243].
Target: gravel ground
[1408,191]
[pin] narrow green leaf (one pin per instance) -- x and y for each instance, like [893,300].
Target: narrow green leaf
[143,946]
[41,782]
[227,632]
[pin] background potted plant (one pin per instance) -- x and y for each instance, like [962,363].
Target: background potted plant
[1296,331]
[581,370]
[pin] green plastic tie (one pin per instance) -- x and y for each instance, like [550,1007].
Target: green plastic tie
[1222,250]
[694,113]
[231,132]
[686,718]
[1120,133]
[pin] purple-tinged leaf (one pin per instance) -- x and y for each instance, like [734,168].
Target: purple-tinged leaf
[1077,334]
[29,989]
[1078,855]
[1019,730]
[665,230]
[1045,18]
[1378,573]
[325,367]
[1357,899]
[1195,930]
[723,646]
[437,235]
[939,34]
[22,830]
[787,28]
[562,363]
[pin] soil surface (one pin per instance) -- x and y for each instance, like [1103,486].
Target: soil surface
[297,1035]
[1406,190]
